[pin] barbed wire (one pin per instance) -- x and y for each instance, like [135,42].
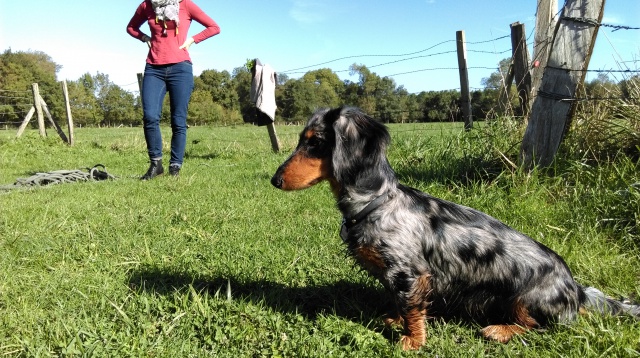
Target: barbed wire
[295,70]
[593,22]
[444,68]
[15,91]
[594,70]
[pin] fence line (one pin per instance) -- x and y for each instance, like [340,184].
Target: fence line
[13,96]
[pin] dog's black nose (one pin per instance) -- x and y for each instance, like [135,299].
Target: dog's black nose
[276,181]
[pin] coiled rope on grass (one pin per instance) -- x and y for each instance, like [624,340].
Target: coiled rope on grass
[61,176]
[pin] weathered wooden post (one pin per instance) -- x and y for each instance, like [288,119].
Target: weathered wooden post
[53,123]
[542,39]
[140,78]
[504,100]
[520,58]
[465,98]
[568,60]
[38,106]
[65,93]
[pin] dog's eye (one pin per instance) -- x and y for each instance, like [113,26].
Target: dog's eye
[314,141]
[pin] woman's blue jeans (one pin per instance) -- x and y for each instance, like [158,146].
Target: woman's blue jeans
[177,79]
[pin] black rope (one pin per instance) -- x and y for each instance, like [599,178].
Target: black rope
[61,176]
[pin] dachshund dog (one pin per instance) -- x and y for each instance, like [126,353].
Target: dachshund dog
[430,254]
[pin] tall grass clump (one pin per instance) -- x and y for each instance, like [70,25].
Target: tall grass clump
[608,124]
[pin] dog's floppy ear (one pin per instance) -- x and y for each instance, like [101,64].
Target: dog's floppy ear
[361,142]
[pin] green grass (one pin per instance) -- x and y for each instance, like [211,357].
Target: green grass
[219,263]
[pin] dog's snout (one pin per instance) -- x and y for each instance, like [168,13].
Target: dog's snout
[276,181]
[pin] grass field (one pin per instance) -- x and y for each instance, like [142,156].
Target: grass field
[219,263]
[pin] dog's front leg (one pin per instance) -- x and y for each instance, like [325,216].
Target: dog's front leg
[413,306]
[415,333]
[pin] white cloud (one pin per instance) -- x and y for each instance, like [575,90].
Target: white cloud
[308,11]
[612,20]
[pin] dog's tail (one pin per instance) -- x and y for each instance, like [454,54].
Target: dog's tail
[597,301]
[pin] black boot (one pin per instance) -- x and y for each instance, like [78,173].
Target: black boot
[174,170]
[155,169]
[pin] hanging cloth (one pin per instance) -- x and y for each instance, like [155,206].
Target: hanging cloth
[263,93]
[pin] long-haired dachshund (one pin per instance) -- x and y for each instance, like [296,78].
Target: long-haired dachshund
[431,254]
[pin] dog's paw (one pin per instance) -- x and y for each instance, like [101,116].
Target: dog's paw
[393,320]
[502,333]
[410,343]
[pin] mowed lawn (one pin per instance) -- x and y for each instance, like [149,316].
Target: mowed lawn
[218,263]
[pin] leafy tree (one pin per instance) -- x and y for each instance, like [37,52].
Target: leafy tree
[83,103]
[366,89]
[389,100]
[18,70]
[413,108]
[203,110]
[219,84]
[496,80]
[118,107]
[495,90]
[442,106]
[241,83]
[300,101]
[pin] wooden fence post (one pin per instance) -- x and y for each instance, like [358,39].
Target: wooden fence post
[569,58]
[545,26]
[26,120]
[140,78]
[53,123]
[65,93]
[465,98]
[504,100]
[520,58]
[38,106]
[275,143]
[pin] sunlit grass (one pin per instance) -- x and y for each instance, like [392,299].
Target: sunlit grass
[219,263]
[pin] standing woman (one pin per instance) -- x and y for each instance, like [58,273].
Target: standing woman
[169,69]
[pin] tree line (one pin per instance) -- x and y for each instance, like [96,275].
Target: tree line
[220,97]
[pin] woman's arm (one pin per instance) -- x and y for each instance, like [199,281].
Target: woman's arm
[211,27]
[139,18]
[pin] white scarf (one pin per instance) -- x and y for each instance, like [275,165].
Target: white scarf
[167,10]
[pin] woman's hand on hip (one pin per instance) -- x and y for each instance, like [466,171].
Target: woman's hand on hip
[188,42]
[146,39]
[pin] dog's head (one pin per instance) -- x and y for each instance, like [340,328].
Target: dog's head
[337,145]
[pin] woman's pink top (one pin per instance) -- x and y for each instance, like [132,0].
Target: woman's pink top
[165,47]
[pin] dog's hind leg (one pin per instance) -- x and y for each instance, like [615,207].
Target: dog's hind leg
[415,313]
[504,332]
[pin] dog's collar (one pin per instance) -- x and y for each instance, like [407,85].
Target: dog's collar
[349,222]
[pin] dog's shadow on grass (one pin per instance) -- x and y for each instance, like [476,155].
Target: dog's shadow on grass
[345,299]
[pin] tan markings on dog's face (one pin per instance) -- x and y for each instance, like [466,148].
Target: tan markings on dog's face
[302,172]
[309,134]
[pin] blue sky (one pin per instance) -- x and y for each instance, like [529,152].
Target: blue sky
[90,36]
